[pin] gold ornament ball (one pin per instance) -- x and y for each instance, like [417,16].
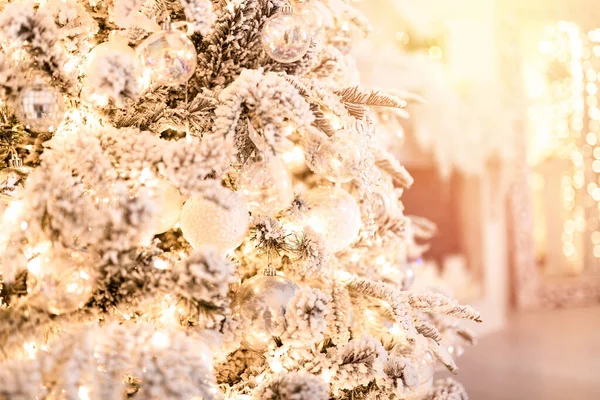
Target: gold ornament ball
[40,107]
[267,186]
[263,300]
[335,214]
[169,204]
[338,158]
[61,281]
[168,57]
[286,37]
[220,219]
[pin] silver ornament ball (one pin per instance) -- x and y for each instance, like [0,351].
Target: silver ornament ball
[168,57]
[286,37]
[263,300]
[40,107]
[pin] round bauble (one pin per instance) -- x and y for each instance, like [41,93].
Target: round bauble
[312,14]
[40,107]
[267,186]
[334,213]
[12,180]
[220,219]
[168,57]
[423,360]
[263,300]
[168,201]
[338,158]
[61,281]
[285,37]
[113,46]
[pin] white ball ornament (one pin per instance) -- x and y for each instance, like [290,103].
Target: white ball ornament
[61,281]
[263,299]
[267,186]
[338,158]
[40,107]
[168,57]
[220,219]
[335,214]
[286,36]
[169,204]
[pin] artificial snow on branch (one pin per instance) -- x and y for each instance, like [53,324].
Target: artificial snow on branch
[438,303]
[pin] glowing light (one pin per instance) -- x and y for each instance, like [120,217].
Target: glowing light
[317,224]
[276,366]
[34,266]
[435,53]
[160,340]
[159,263]
[30,349]
[83,393]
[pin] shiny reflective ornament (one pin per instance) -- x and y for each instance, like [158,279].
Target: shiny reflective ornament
[424,362]
[12,179]
[285,36]
[168,57]
[61,281]
[263,299]
[221,219]
[40,107]
[112,46]
[267,186]
[338,158]
[168,201]
[312,15]
[334,213]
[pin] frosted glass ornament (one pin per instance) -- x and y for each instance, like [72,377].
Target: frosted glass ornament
[285,36]
[334,213]
[61,281]
[40,107]
[221,219]
[267,186]
[312,14]
[338,158]
[168,57]
[423,360]
[113,46]
[263,299]
[168,201]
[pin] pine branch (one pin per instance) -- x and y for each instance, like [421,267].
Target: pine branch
[437,303]
[389,164]
[447,389]
[429,331]
[358,95]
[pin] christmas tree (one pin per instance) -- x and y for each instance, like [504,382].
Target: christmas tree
[198,205]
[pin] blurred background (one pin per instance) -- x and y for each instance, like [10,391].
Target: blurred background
[505,152]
